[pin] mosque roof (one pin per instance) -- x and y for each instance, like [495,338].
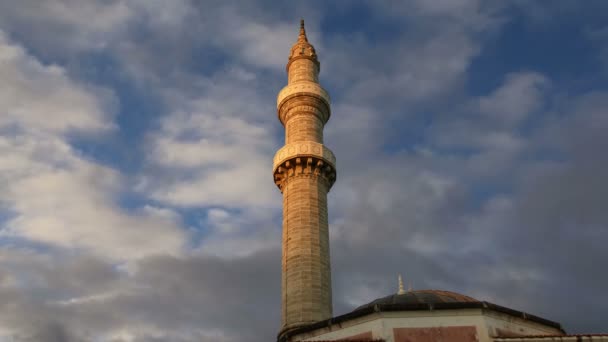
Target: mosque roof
[421,297]
[419,300]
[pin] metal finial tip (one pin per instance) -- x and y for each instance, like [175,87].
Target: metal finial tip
[401,289]
[302,23]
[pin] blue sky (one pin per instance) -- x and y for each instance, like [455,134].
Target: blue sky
[136,139]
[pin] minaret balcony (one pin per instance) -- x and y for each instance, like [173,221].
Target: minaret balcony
[304,149]
[306,89]
[304,158]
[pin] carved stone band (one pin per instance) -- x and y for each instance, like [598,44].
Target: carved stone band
[304,149]
[302,87]
[304,167]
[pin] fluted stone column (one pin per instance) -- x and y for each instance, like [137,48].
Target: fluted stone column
[304,171]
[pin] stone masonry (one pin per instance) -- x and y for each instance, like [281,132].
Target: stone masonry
[304,171]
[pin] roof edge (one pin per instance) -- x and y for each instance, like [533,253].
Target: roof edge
[550,336]
[417,307]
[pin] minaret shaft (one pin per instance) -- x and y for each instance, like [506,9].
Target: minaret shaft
[306,280]
[304,171]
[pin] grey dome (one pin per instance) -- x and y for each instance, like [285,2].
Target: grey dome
[421,297]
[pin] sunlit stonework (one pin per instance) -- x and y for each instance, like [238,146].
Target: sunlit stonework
[304,171]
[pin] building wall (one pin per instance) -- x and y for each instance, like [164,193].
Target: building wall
[501,324]
[367,325]
[436,334]
[382,325]
[464,325]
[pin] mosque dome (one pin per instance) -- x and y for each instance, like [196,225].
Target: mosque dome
[421,297]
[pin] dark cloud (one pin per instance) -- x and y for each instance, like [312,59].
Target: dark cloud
[162,298]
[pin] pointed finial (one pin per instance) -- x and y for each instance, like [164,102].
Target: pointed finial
[401,290]
[302,36]
[302,48]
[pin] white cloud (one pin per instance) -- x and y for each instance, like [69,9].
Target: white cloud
[519,96]
[41,98]
[75,25]
[259,43]
[215,148]
[232,235]
[74,208]
[54,195]
[223,161]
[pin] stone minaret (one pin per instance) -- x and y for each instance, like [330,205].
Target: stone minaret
[304,170]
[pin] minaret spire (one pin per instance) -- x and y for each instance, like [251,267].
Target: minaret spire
[302,37]
[303,49]
[304,171]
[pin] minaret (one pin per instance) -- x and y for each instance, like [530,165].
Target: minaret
[304,170]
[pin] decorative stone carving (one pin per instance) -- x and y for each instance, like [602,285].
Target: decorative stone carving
[304,149]
[303,103]
[304,87]
[304,167]
[303,49]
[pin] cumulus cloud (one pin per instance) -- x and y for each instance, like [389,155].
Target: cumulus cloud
[53,194]
[35,97]
[74,25]
[209,154]
[519,96]
[484,194]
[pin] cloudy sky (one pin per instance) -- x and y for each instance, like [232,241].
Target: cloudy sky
[136,143]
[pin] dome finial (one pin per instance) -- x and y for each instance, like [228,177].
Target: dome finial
[401,290]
